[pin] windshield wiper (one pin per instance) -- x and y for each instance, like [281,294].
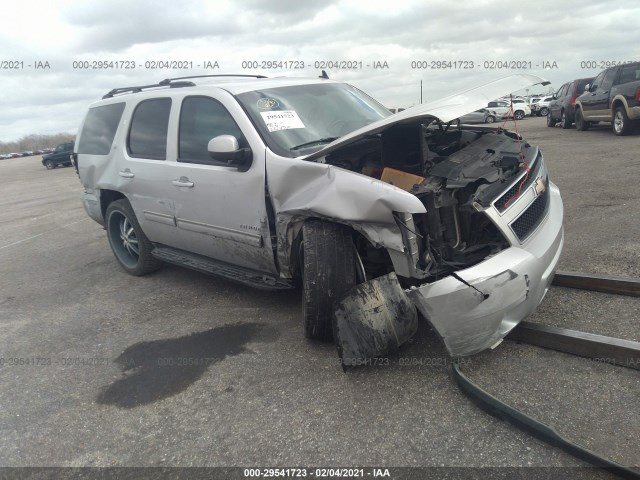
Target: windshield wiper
[314,142]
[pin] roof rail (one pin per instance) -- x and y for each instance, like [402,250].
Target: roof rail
[117,91]
[167,81]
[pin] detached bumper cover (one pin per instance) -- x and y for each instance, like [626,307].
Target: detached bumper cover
[515,280]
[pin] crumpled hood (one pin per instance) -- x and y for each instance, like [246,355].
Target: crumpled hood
[445,109]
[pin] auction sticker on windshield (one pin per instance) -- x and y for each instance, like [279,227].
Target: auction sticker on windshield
[281,120]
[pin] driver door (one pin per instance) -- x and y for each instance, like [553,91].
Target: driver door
[220,210]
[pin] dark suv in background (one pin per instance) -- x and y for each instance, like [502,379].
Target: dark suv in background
[613,96]
[562,107]
[61,156]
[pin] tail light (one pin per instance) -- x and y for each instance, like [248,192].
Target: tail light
[573,100]
[638,94]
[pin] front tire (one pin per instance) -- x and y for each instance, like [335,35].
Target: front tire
[550,121]
[519,115]
[491,119]
[621,123]
[328,260]
[128,242]
[49,165]
[544,111]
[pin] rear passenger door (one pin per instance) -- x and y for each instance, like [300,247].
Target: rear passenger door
[143,173]
[220,209]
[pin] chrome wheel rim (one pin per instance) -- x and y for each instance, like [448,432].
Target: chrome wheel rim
[618,122]
[124,240]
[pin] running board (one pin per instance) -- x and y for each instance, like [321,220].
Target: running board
[220,269]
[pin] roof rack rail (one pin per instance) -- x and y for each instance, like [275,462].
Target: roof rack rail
[167,81]
[117,91]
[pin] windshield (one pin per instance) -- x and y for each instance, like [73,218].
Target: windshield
[300,119]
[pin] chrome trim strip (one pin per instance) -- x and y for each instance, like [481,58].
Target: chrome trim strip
[221,232]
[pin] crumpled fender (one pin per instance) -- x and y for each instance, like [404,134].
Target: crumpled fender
[301,190]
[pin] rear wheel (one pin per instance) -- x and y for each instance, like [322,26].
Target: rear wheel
[328,259]
[49,164]
[128,242]
[544,111]
[564,121]
[581,123]
[621,123]
[550,121]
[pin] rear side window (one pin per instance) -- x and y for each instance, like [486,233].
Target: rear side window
[149,125]
[99,129]
[563,91]
[630,73]
[201,119]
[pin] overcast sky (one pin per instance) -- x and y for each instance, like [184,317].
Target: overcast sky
[577,35]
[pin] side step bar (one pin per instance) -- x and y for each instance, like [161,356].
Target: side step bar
[212,267]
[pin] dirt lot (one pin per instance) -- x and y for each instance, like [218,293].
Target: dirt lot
[90,355]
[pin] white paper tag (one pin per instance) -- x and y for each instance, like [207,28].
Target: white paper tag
[281,120]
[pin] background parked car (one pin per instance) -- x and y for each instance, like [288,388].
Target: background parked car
[60,156]
[503,108]
[562,107]
[479,116]
[542,107]
[614,96]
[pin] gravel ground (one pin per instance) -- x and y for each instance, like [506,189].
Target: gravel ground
[96,389]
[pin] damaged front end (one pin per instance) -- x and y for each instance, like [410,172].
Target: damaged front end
[459,223]
[482,255]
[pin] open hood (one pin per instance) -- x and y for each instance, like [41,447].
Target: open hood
[445,109]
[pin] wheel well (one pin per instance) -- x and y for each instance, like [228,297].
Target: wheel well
[616,104]
[376,261]
[106,197]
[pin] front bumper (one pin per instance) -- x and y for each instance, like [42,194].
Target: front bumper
[514,283]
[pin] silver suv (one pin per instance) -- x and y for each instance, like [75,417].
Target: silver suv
[278,182]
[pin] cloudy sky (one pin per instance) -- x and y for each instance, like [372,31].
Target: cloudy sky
[73,39]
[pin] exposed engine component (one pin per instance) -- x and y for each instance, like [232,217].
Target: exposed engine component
[455,172]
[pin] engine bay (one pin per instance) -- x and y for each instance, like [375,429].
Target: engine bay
[456,172]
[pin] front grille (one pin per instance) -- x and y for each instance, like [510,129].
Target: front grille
[529,220]
[503,202]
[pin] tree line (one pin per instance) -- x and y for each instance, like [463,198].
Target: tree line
[36,142]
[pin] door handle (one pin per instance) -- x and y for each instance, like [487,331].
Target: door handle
[126,173]
[183,182]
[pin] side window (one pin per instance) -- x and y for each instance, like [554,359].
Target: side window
[99,129]
[609,77]
[630,73]
[148,132]
[597,82]
[492,104]
[201,119]
[563,90]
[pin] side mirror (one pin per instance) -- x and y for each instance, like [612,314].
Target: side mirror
[225,148]
[587,88]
